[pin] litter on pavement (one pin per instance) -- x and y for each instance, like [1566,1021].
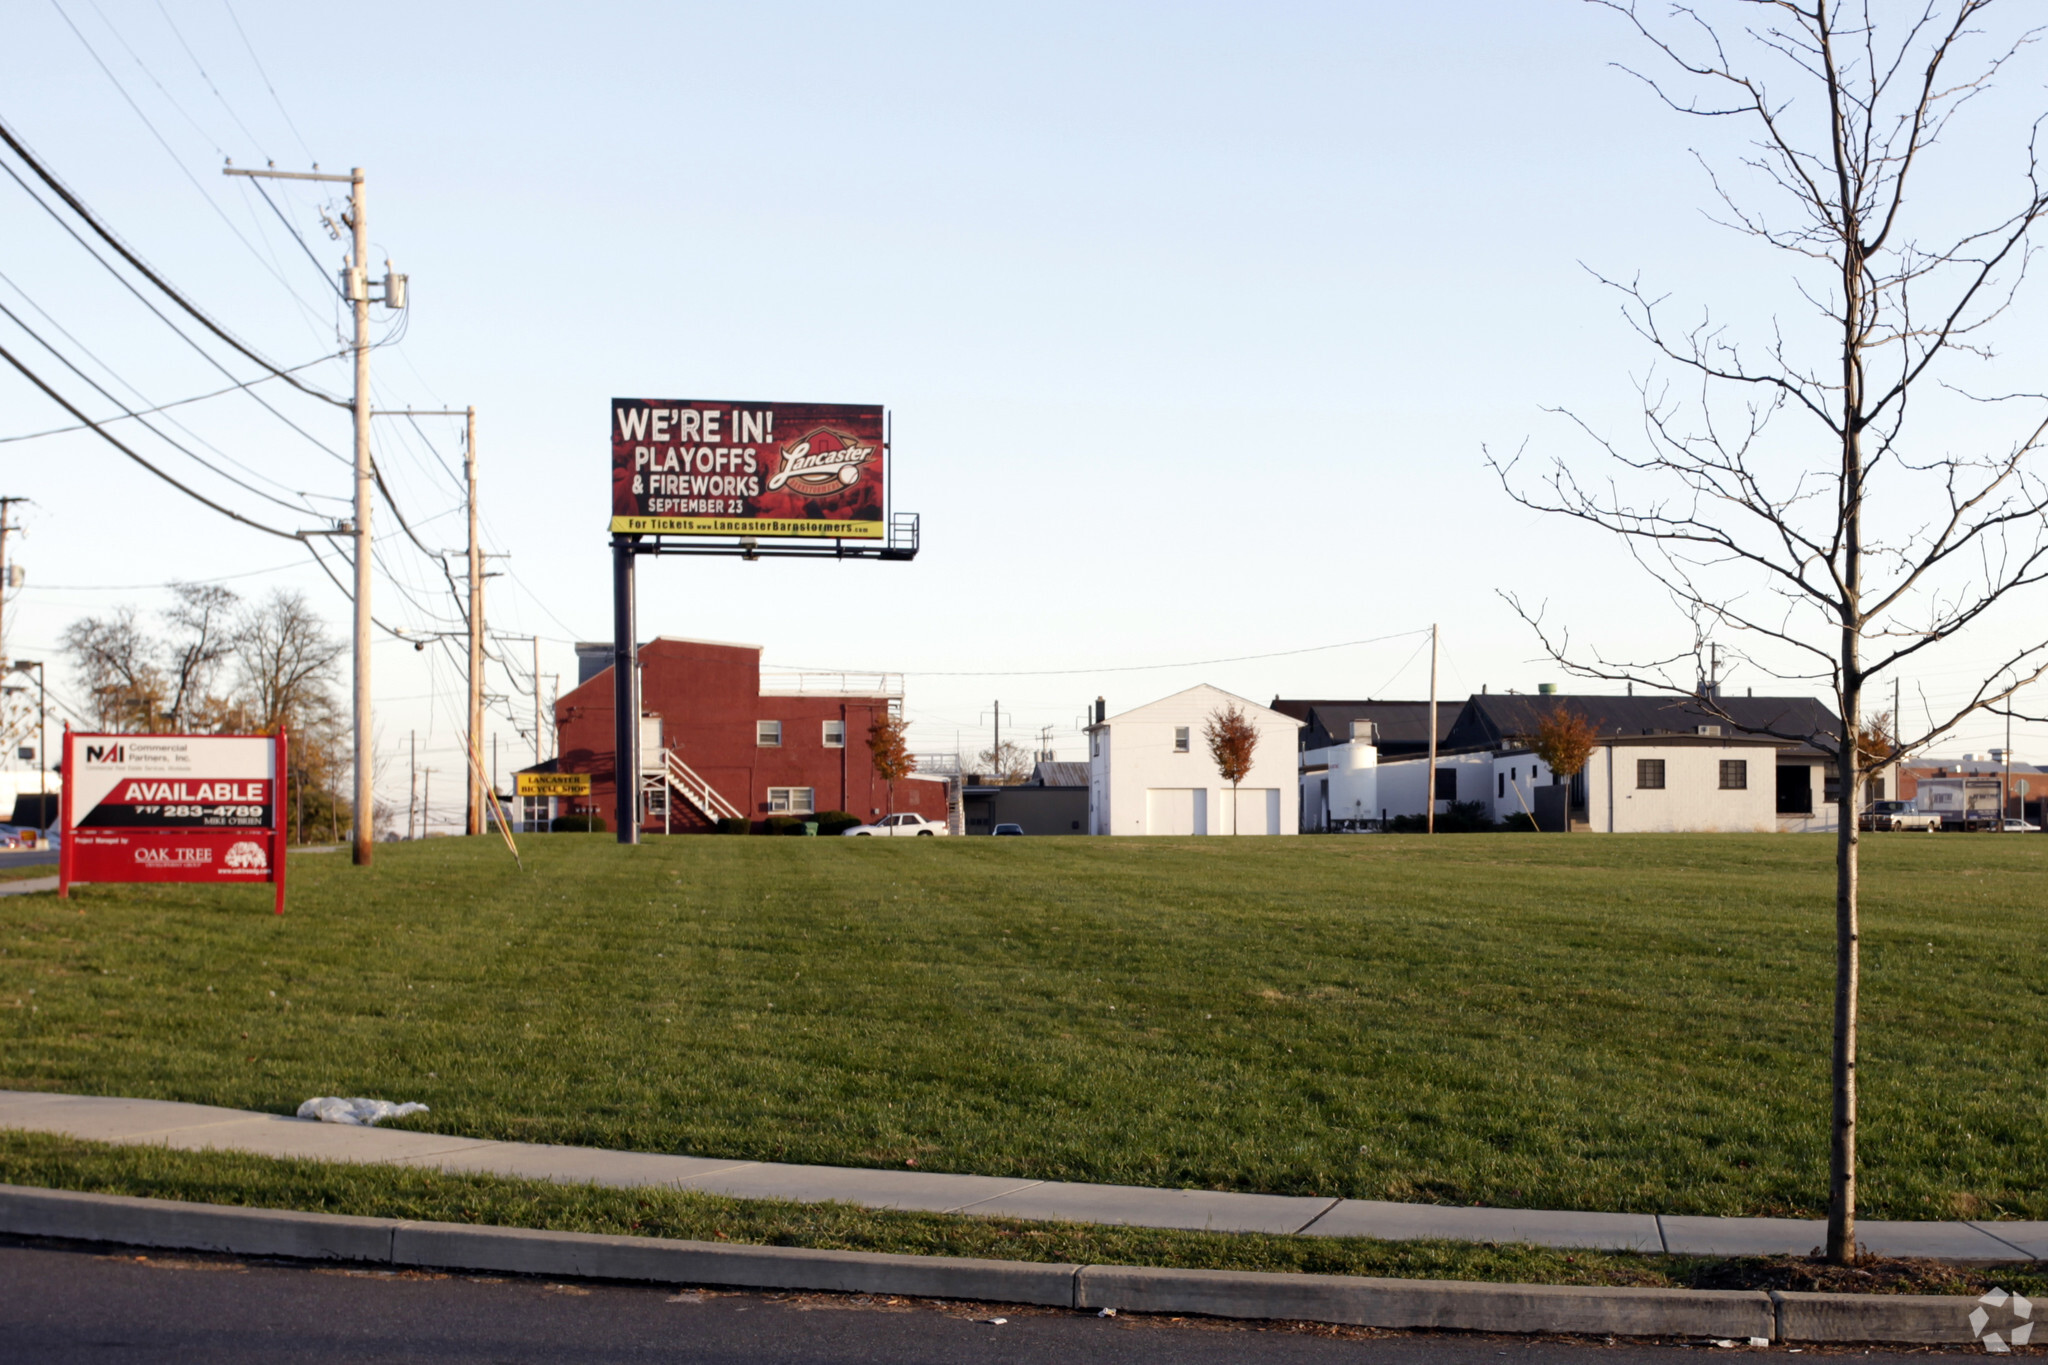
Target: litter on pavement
[360,1112]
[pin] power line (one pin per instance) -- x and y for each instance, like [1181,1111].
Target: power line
[168,150]
[117,444]
[243,34]
[107,234]
[179,332]
[1120,668]
[139,418]
[160,407]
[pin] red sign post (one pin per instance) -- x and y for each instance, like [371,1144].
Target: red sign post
[173,808]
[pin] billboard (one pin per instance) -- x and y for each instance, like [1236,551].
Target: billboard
[703,467]
[172,808]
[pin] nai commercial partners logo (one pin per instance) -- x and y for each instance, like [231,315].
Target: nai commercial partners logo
[2015,1314]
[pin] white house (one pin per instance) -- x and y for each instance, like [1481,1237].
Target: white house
[1632,784]
[1149,770]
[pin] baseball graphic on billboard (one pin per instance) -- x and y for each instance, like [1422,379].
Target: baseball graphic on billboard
[702,467]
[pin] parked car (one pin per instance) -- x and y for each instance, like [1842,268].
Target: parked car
[2021,827]
[1007,828]
[1897,815]
[897,826]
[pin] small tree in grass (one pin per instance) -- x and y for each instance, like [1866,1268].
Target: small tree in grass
[888,742]
[1232,741]
[1564,741]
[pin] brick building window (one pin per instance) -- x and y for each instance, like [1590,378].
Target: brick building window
[791,800]
[1734,774]
[1650,774]
[768,734]
[835,734]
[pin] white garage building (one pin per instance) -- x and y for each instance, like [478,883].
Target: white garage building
[1149,770]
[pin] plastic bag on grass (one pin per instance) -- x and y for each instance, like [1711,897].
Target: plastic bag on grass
[358,1111]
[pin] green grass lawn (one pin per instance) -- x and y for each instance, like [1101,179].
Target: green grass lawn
[1619,1022]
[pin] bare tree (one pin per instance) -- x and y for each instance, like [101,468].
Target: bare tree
[285,662]
[1009,763]
[117,661]
[1232,740]
[1780,493]
[203,623]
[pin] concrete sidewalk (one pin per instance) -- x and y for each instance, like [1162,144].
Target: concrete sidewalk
[198,1127]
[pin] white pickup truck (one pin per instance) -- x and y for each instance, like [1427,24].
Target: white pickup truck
[1898,815]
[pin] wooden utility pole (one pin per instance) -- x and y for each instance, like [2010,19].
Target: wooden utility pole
[6,576]
[412,784]
[475,822]
[1429,779]
[356,289]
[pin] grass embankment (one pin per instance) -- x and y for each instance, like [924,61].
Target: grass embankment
[405,1192]
[1598,1022]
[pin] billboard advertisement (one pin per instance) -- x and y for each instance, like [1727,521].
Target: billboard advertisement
[172,808]
[703,467]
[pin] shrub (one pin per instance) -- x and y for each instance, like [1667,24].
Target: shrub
[735,824]
[577,824]
[1521,822]
[782,824]
[837,822]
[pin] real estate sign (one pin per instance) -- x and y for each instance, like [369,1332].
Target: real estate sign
[702,467]
[172,808]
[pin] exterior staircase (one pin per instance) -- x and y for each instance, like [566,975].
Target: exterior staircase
[683,780]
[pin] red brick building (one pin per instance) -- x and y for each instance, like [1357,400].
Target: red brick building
[720,739]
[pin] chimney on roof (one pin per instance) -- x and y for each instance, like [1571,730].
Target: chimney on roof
[1546,689]
[1101,711]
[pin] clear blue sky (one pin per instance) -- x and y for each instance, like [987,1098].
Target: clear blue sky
[1194,319]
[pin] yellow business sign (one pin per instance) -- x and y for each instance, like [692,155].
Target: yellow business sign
[553,784]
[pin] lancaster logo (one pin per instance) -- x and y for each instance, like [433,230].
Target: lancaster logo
[106,753]
[174,857]
[825,461]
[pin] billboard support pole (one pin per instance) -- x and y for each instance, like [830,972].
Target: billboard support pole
[625,691]
[67,771]
[280,838]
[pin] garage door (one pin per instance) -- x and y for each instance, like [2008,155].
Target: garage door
[1176,810]
[1258,810]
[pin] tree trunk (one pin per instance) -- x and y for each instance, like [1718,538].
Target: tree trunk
[1841,1247]
[1842,1138]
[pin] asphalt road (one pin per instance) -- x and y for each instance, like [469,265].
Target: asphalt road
[28,857]
[64,1304]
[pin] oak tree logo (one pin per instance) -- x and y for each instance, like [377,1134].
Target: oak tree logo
[246,855]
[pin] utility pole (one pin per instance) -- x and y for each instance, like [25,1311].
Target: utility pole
[1429,782]
[10,577]
[356,288]
[536,701]
[475,822]
[2005,782]
[412,785]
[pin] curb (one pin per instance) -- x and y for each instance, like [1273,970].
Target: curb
[1354,1300]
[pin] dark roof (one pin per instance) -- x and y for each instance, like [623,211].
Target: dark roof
[1403,725]
[1060,775]
[1496,719]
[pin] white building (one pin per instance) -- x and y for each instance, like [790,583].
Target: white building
[1149,770]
